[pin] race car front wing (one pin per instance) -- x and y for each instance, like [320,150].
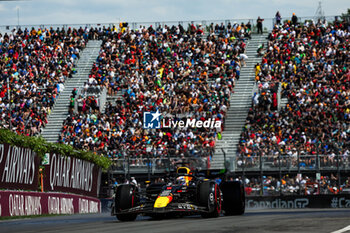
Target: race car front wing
[172,207]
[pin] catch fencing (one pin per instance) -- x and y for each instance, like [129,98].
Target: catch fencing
[153,161]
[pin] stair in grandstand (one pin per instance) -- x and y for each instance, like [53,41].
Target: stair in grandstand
[118,96]
[60,109]
[284,102]
[240,102]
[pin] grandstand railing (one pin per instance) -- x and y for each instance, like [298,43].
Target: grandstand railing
[140,161]
[279,93]
[255,89]
[153,161]
[90,91]
[289,190]
[292,163]
[103,99]
[157,165]
[268,23]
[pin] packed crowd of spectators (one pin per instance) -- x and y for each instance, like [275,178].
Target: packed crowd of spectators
[166,69]
[296,185]
[34,65]
[294,161]
[311,63]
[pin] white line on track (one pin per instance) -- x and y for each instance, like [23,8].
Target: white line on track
[345,229]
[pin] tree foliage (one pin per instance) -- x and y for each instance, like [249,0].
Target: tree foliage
[41,147]
[346,16]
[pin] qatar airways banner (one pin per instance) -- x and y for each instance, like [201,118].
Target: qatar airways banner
[18,168]
[20,203]
[73,175]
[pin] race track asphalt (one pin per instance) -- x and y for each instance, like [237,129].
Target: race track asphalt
[257,221]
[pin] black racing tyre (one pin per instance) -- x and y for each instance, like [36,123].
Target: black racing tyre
[125,198]
[233,198]
[210,196]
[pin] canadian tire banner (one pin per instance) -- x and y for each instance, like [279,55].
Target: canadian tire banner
[67,174]
[18,168]
[21,203]
[298,202]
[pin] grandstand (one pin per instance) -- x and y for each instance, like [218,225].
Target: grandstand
[35,65]
[309,66]
[283,106]
[187,73]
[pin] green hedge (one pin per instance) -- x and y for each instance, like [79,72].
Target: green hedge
[40,146]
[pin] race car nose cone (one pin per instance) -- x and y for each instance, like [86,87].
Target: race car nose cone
[162,202]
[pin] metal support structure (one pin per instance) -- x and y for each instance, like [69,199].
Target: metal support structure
[157,24]
[169,163]
[318,163]
[280,173]
[299,171]
[261,176]
[148,167]
[128,168]
[243,169]
[133,26]
[338,169]
[110,183]
[279,96]
[9,99]
[103,99]
[225,162]
[319,14]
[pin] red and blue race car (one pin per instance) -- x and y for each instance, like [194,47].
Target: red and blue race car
[184,194]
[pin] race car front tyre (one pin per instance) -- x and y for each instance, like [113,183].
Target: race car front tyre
[125,198]
[233,198]
[210,197]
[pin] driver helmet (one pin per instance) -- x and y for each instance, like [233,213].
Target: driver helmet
[181,180]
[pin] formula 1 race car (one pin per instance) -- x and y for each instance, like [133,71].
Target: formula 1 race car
[185,194]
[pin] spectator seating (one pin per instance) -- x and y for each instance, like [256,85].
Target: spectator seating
[172,70]
[34,66]
[311,63]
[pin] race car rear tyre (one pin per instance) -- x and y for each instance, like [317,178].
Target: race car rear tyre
[233,198]
[125,198]
[210,196]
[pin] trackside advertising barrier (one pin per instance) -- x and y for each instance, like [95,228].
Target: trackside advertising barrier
[67,174]
[280,202]
[298,202]
[21,203]
[19,169]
